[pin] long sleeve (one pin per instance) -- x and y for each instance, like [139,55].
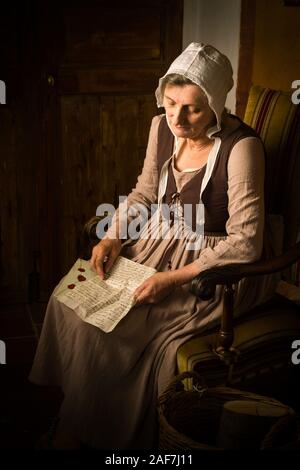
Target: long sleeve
[245,224]
[146,189]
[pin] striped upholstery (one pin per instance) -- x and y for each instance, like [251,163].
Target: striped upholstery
[277,120]
[263,337]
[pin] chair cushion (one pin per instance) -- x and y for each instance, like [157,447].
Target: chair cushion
[277,120]
[262,337]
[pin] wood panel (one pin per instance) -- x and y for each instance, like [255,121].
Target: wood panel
[80,77]
[124,31]
[18,120]
[8,35]
[9,209]
[9,222]
[105,60]
[246,51]
[100,158]
[107,80]
[277,44]
[269,40]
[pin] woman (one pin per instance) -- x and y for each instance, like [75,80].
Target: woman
[111,380]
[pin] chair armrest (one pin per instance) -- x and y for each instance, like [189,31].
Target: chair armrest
[204,284]
[89,229]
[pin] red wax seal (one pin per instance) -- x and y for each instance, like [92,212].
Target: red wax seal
[71,286]
[81,270]
[81,278]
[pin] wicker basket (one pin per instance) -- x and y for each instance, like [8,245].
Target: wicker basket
[189,420]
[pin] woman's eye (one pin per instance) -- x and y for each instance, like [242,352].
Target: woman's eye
[196,110]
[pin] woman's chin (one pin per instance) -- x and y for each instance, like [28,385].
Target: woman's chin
[182,131]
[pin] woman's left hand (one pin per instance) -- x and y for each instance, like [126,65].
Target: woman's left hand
[154,289]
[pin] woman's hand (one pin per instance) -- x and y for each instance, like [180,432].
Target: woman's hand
[154,289]
[104,255]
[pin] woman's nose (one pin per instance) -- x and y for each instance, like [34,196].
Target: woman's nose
[178,116]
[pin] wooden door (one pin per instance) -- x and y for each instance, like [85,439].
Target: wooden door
[100,69]
[19,148]
[80,78]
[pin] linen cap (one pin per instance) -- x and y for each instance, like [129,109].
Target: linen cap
[207,67]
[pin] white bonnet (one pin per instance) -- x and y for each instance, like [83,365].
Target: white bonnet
[205,66]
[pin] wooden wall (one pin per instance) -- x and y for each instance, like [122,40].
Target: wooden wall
[269,47]
[81,77]
[277,45]
[18,150]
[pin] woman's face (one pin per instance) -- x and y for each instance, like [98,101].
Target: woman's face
[188,112]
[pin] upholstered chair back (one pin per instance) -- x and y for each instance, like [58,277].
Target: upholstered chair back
[277,120]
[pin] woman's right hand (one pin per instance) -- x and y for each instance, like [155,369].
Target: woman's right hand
[104,255]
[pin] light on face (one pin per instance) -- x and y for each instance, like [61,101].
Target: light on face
[187,110]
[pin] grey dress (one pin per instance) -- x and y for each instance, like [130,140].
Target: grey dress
[111,380]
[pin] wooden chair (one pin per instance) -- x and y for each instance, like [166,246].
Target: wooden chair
[253,352]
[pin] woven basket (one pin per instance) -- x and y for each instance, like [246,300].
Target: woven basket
[190,419]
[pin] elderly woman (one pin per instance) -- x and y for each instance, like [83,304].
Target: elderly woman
[197,154]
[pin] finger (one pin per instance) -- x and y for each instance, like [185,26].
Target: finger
[92,260]
[98,259]
[138,290]
[99,267]
[142,300]
[141,294]
[137,296]
[139,301]
[95,254]
[92,263]
[136,299]
[108,263]
[141,287]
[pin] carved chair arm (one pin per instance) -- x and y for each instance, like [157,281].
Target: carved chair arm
[204,286]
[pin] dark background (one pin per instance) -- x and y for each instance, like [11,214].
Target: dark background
[80,78]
